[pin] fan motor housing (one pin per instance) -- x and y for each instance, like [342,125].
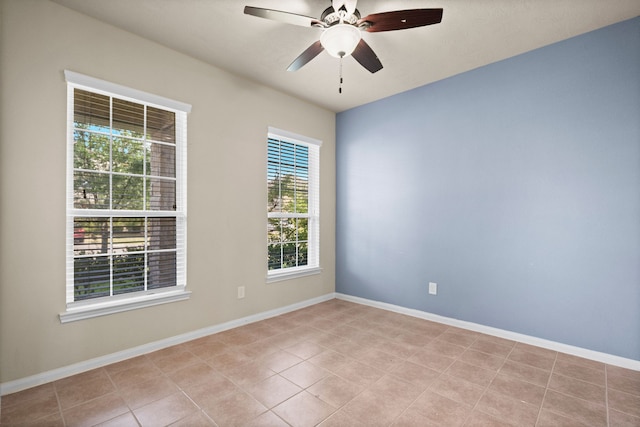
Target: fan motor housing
[332,17]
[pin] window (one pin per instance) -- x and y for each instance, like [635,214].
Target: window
[126,198]
[293,239]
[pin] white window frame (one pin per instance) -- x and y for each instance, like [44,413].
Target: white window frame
[84,309]
[313,265]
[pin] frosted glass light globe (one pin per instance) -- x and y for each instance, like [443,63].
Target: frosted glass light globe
[340,40]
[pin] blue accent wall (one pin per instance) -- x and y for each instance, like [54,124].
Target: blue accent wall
[515,187]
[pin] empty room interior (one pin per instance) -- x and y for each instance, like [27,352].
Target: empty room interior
[441,227]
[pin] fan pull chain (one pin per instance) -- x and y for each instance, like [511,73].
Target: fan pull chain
[340,86]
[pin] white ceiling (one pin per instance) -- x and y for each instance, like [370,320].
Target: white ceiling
[473,33]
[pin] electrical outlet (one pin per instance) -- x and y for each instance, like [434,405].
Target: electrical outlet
[433,288]
[240,292]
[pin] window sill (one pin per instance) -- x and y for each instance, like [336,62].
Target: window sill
[81,311]
[292,274]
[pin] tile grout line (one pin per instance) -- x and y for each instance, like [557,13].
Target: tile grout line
[440,374]
[200,409]
[489,385]
[339,408]
[405,359]
[346,380]
[546,388]
[435,379]
[55,391]
[303,389]
[413,401]
[117,390]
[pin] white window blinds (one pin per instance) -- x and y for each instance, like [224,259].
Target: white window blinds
[126,192]
[293,205]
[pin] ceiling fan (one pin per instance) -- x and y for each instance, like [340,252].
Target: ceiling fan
[343,25]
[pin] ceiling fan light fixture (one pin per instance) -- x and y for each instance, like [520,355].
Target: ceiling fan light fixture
[340,40]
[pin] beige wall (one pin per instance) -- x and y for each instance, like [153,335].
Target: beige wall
[226,187]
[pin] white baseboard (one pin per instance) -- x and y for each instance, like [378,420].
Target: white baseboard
[514,336]
[56,374]
[98,362]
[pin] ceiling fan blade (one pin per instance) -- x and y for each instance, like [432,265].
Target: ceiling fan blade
[367,57]
[400,19]
[336,4]
[306,56]
[286,17]
[350,5]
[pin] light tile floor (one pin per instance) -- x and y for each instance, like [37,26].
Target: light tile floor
[339,364]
